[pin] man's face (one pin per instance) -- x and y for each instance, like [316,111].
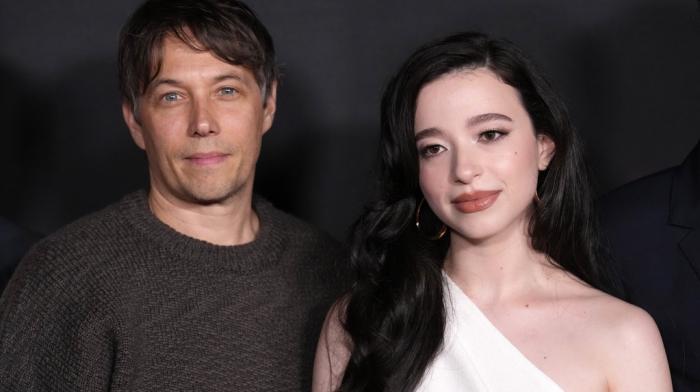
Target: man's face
[201,123]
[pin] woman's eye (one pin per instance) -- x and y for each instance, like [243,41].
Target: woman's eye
[432,150]
[491,135]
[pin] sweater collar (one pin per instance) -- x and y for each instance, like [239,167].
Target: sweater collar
[249,257]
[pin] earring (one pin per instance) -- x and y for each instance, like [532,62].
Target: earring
[441,232]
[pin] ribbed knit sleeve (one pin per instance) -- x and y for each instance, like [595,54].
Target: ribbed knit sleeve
[56,331]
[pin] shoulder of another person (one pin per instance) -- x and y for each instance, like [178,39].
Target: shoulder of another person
[650,190]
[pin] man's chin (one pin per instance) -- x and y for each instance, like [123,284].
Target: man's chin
[203,192]
[212,198]
[204,196]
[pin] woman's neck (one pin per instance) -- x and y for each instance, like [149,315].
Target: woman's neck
[499,269]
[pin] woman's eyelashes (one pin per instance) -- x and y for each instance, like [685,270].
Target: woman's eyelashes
[484,137]
[491,135]
[430,150]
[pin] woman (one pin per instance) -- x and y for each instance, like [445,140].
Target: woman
[506,292]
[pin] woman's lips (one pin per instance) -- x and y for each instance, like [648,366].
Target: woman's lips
[209,158]
[475,201]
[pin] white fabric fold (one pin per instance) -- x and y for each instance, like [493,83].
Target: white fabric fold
[477,357]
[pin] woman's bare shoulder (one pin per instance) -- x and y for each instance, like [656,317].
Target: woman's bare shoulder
[333,350]
[624,338]
[613,315]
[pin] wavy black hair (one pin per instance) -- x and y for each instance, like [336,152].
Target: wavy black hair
[395,314]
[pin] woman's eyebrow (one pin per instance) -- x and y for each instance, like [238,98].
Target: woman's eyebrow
[481,118]
[427,132]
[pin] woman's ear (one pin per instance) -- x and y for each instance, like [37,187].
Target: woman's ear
[545,150]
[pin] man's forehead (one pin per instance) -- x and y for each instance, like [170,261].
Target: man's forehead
[177,57]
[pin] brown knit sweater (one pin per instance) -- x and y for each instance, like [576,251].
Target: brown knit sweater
[119,301]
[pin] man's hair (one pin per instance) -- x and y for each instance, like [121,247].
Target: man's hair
[227,28]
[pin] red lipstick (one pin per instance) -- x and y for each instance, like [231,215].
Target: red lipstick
[475,201]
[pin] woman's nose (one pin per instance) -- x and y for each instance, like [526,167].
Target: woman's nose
[466,166]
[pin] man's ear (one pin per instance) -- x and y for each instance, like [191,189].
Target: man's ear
[545,150]
[269,107]
[134,126]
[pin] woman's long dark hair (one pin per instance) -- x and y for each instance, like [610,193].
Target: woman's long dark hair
[395,314]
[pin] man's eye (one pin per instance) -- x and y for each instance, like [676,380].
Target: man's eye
[228,91]
[431,150]
[491,135]
[170,97]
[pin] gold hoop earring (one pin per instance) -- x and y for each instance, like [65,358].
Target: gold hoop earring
[441,232]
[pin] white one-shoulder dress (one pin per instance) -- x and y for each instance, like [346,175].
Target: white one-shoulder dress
[476,357]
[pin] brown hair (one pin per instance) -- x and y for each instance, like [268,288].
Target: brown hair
[227,28]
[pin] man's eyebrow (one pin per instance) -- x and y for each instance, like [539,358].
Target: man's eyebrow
[427,132]
[174,82]
[482,118]
[157,82]
[229,76]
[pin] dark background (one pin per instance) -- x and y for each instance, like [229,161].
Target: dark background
[629,71]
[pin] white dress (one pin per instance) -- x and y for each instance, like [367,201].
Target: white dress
[477,357]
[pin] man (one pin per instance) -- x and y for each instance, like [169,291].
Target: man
[653,227]
[197,284]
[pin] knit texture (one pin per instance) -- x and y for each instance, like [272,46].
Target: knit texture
[120,301]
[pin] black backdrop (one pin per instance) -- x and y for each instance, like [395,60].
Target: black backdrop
[629,71]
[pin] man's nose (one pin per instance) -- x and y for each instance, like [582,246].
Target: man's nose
[203,122]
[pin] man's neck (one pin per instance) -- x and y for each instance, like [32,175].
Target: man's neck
[232,222]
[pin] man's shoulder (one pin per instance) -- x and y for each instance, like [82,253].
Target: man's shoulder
[60,296]
[94,229]
[82,245]
[309,248]
[644,199]
[298,231]
[654,187]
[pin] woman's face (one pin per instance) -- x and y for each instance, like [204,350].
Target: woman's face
[479,154]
